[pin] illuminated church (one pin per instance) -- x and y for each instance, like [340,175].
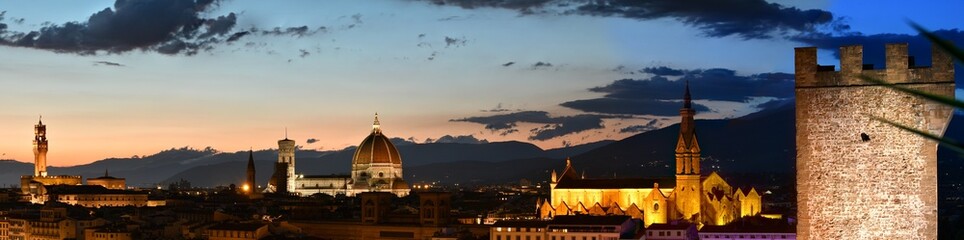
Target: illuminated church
[691,196]
[376,166]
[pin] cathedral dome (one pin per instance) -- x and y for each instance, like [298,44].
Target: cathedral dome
[376,148]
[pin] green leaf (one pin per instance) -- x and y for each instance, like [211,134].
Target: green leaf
[947,46]
[926,95]
[947,142]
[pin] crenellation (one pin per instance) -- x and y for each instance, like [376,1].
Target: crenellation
[805,61]
[942,66]
[899,67]
[897,63]
[851,65]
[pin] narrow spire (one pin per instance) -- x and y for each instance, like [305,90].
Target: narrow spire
[105,173]
[41,121]
[686,96]
[376,126]
[286,133]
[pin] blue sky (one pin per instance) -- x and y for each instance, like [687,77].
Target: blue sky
[530,71]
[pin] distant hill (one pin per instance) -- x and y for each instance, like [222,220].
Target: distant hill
[759,142]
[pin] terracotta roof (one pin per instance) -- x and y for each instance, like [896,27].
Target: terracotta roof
[376,148]
[614,183]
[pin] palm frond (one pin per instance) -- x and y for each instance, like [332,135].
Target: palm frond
[947,142]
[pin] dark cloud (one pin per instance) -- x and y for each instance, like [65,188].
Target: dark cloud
[311,140]
[651,125]
[304,53]
[659,96]
[662,71]
[219,26]
[508,64]
[465,139]
[497,108]
[748,19]
[456,42]
[631,106]
[541,65]
[553,126]
[302,31]
[167,26]
[237,35]
[108,63]
[524,6]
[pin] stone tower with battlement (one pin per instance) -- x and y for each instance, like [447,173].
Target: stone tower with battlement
[859,178]
[40,149]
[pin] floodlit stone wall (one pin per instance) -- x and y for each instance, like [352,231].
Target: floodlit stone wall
[858,178]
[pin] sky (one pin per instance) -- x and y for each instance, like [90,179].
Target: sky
[134,77]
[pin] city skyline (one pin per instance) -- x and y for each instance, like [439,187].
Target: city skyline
[546,73]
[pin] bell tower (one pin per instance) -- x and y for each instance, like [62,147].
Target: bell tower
[40,149]
[286,159]
[688,187]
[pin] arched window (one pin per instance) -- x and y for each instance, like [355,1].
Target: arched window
[655,206]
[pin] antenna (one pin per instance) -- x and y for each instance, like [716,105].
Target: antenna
[286,132]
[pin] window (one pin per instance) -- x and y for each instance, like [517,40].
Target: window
[679,233]
[497,237]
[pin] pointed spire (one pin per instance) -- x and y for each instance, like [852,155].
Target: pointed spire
[105,173]
[554,177]
[568,162]
[686,96]
[41,121]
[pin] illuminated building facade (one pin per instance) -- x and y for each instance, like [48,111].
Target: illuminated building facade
[376,167]
[31,185]
[691,196]
[860,178]
[108,182]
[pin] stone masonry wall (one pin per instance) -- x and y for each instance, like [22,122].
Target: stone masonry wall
[858,178]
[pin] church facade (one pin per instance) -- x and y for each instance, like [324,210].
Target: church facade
[376,166]
[691,196]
